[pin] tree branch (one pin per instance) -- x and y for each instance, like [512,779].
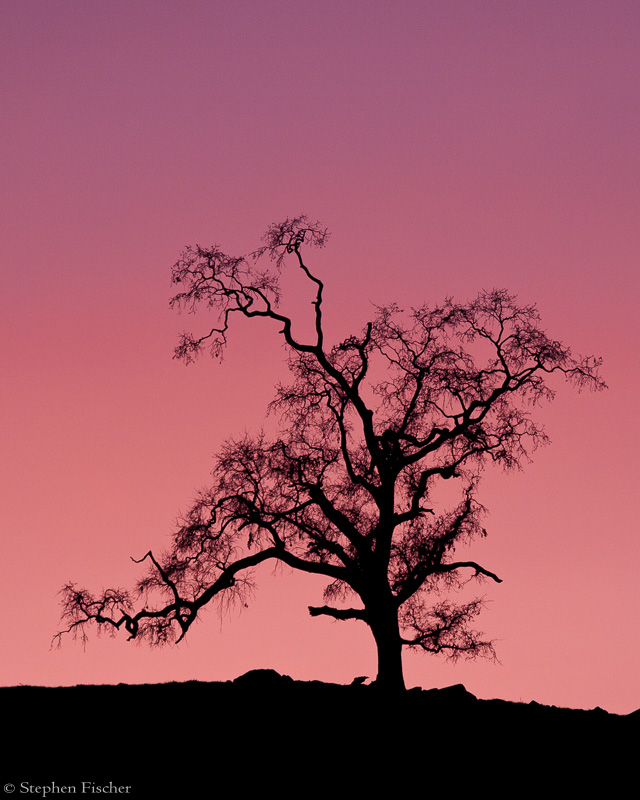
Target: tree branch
[338,613]
[472,564]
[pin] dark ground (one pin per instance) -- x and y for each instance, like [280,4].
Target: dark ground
[267,733]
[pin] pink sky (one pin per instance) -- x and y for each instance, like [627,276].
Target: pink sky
[450,147]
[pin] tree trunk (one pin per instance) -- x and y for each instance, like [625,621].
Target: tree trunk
[384,626]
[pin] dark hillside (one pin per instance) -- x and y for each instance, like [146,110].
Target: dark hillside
[265,731]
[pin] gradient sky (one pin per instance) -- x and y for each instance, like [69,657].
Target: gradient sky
[450,147]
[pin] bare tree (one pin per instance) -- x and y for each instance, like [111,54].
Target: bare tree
[370,427]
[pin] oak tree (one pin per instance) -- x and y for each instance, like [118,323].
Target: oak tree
[370,429]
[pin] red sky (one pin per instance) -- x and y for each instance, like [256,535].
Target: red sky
[450,147]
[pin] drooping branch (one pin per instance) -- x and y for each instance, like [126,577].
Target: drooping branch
[81,608]
[445,629]
[471,565]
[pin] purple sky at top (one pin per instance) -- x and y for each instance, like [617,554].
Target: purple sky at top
[450,147]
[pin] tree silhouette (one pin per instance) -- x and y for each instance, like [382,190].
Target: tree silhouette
[369,430]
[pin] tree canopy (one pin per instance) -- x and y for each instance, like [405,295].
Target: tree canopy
[369,428]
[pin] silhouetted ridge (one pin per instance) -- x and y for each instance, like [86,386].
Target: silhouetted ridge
[174,735]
